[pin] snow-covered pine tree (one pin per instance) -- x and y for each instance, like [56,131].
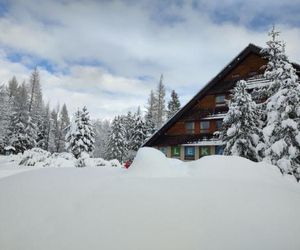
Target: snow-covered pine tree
[102,129]
[36,105]
[64,122]
[55,128]
[149,116]
[22,132]
[12,87]
[159,104]
[282,132]
[275,53]
[117,146]
[173,105]
[80,137]
[5,113]
[46,127]
[240,131]
[128,122]
[139,133]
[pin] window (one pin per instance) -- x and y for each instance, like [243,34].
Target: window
[219,150]
[163,150]
[189,153]
[190,127]
[175,150]
[219,124]
[204,151]
[220,100]
[204,126]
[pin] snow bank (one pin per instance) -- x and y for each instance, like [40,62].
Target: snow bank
[233,168]
[214,203]
[150,162]
[40,158]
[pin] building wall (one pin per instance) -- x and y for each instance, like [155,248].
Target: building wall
[251,65]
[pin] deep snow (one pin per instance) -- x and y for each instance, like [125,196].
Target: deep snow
[217,202]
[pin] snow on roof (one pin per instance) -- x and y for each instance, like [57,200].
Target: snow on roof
[257,82]
[10,148]
[214,116]
[205,143]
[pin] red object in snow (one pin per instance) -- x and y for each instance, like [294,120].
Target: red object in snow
[127,163]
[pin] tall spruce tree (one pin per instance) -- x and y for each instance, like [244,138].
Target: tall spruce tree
[5,114]
[173,105]
[102,129]
[36,105]
[282,131]
[64,122]
[240,126]
[159,105]
[22,131]
[149,116]
[80,137]
[117,146]
[12,87]
[139,133]
[275,53]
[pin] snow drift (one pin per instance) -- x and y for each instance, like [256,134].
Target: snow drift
[217,202]
[150,162]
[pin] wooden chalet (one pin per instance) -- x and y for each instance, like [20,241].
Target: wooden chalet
[190,133]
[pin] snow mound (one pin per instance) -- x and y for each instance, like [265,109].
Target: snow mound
[150,162]
[232,168]
[226,203]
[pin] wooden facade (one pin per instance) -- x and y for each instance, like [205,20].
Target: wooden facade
[190,133]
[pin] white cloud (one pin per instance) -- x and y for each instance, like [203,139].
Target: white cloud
[127,43]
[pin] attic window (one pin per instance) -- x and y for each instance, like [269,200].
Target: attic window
[220,100]
[190,127]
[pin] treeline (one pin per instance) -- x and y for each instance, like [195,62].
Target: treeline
[26,121]
[270,129]
[125,135]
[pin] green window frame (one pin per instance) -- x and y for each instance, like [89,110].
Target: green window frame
[175,151]
[204,151]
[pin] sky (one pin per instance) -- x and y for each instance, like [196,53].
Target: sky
[108,55]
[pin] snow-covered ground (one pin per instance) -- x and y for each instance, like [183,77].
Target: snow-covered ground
[216,202]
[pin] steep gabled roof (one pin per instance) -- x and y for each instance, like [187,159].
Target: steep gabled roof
[251,48]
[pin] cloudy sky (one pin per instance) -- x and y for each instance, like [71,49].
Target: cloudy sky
[108,55]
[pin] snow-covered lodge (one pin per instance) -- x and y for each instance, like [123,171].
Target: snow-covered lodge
[192,132]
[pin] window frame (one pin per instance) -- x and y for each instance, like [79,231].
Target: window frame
[219,127]
[220,103]
[175,154]
[221,147]
[189,156]
[190,130]
[200,151]
[205,130]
